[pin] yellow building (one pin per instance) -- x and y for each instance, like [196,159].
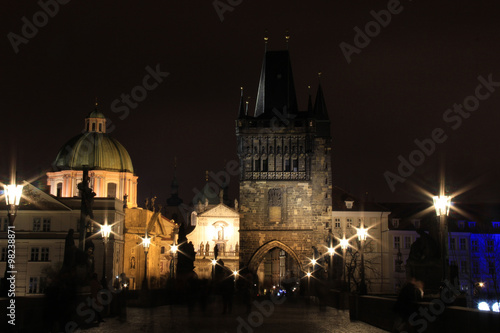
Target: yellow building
[162,232]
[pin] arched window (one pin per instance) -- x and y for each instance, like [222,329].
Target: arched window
[59,190]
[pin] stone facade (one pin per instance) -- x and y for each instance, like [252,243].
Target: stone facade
[285,183]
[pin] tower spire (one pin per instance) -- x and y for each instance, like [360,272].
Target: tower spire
[266,40]
[309,102]
[287,38]
[241,113]
[319,104]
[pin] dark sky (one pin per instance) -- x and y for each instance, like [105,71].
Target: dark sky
[395,90]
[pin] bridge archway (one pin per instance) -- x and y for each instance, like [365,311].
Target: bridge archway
[262,251]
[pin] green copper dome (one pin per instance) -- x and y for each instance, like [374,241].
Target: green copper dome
[94,149]
[97,151]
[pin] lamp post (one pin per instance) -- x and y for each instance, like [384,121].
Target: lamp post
[105,232]
[362,234]
[214,262]
[174,249]
[344,243]
[331,252]
[13,195]
[146,242]
[442,205]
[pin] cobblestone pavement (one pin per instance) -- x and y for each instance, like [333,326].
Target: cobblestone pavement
[288,317]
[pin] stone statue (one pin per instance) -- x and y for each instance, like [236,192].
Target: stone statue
[207,249]
[236,204]
[424,248]
[216,251]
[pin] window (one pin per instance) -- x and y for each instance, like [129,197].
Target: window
[452,243]
[491,267]
[46,224]
[59,190]
[93,127]
[337,223]
[461,224]
[34,253]
[100,127]
[463,266]
[295,165]
[111,190]
[407,242]
[4,254]
[395,223]
[37,223]
[475,246]
[472,225]
[264,165]
[33,287]
[44,254]
[416,224]
[490,245]
[287,165]
[463,244]
[397,242]
[496,225]
[349,223]
[256,165]
[475,267]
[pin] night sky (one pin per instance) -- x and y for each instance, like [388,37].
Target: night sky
[396,89]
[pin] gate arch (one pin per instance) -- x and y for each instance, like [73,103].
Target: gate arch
[261,252]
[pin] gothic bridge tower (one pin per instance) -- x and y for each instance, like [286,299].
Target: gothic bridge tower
[286,176]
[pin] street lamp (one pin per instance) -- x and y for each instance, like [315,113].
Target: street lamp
[13,195]
[442,205]
[173,249]
[105,232]
[146,242]
[344,244]
[214,262]
[331,252]
[362,235]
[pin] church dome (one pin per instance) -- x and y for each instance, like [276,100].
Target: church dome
[96,151]
[94,148]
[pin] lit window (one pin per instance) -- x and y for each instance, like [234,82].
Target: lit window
[463,244]
[349,223]
[472,225]
[337,223]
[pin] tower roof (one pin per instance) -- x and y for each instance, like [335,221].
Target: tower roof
[320,112]
[276,86]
